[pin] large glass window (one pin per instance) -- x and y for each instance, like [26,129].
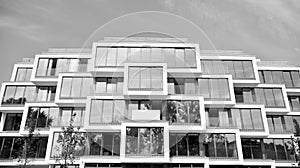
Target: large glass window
[117,56]
[270,97]
[12,122]
[107,111]
[22,94]
[185,145]
[145,78]
[239,69]
[41,117]
[244,119]
[219,145]
[76,87]
[54,66]
[289,78]
[275,149]
[283,124]
[23,74]
[11,146]
[214,89]
[183,111]
[144,141]
[103,144]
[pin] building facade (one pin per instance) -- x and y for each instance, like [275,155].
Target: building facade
[153,102]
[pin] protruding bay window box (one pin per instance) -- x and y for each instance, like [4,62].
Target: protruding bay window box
[249,119]
[185,112]
[147,79]
[74,88]
[144,142]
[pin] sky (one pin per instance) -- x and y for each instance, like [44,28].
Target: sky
[269,29]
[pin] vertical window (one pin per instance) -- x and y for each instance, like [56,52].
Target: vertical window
[170,57]
[179,57]
[122,56]
[12,122]
[101,53]
[145,78]
[190,57]
[42,67]
[111,57]
[66,87]
[23,74]
[294,102]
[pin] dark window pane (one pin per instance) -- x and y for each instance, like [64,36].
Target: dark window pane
[280,149]
[256,149]
[269,149]
[182,144]
[193,141]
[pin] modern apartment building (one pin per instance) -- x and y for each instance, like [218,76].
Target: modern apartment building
[154,103]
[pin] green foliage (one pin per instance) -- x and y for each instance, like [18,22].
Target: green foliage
[68,140]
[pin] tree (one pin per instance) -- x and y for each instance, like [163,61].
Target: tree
[294,146]
[68,141]
[27,145]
